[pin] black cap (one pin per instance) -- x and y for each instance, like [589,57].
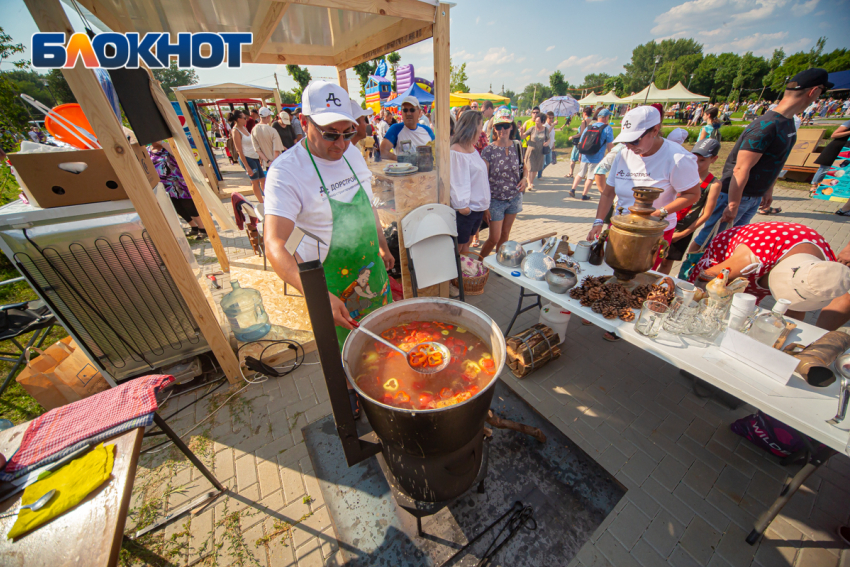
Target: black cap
[809,79]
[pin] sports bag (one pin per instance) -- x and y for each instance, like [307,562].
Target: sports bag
[773,436]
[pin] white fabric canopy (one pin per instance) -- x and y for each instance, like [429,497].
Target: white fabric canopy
[680,94]
[610,98]
[655,95]
[592,98]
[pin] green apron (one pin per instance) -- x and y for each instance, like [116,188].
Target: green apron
[353,267]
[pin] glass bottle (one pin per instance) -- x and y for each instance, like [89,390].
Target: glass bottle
[597,251]
[767,326]
[244,309]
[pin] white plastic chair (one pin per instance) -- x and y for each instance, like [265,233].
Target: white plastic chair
[430,238]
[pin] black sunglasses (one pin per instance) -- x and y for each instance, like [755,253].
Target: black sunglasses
[409,110]
[636,142]
[334,136]
[502,126]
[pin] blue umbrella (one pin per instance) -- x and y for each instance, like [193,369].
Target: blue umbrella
[562,106]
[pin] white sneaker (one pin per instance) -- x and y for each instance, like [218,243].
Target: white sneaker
[453,291]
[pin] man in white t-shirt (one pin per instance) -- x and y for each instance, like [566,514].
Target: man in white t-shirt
[323,187]
[265,139]
[408,135]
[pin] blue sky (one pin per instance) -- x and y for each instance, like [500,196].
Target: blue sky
[516,43]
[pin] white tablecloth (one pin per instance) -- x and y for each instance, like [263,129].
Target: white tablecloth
[797,404]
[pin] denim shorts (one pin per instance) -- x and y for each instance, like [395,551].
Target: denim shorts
[498,208]
[255,165]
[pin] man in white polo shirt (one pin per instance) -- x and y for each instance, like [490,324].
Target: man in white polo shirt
[322,185]
[410,130]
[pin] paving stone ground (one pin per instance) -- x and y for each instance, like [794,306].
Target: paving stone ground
[694,488]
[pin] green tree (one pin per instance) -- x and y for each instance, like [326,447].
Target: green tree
[617,84]
[639,69]
[595,82]
[838,60]
[363,71]
[458,79]
[32,84]
[392,60]
[13,116]
[174,77]
[558,84]
[534,94]
[301,76]
[511,95]
[289,97]
[59,87]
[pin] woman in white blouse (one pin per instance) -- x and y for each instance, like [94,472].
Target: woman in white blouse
[470,185]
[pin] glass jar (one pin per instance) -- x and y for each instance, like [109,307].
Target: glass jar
[681,317]
[244,310]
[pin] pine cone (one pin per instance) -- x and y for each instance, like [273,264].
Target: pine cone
[578,293]
[627,315]
[597,293]
[636,302]
[586,301]
[660,296]
[609,311]
[598,306]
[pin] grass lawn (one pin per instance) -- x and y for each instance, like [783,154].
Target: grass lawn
[15,403]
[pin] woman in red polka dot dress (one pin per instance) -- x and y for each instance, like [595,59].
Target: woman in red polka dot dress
[787,260]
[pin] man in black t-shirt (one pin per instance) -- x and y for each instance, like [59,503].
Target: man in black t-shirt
[760,153]
[283,126]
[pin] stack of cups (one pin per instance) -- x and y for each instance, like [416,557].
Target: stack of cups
[743,305]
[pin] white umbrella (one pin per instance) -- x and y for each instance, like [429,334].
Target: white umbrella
[562,106]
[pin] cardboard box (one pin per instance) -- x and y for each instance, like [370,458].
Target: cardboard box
[48,185]
[810,159]
[807,142]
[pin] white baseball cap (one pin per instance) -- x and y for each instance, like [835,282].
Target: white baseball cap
[326,103]
[636,122]
[264,111]
[410,100]
[808,282]
[357,112]
[678,135]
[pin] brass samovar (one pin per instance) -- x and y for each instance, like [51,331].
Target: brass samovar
[636,238]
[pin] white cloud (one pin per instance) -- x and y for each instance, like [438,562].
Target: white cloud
[695,15]
[543,73]
[463,56]
[804,8]
[590,62]
[495,59]
[490,23]
[478,19]
[550,48]
[760,44]
[520,60]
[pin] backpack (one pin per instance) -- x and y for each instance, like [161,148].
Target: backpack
[591,142]
[715,133]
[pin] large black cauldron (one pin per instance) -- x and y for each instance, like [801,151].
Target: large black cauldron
[434,455]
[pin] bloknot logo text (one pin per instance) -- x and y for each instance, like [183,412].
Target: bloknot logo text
[119,51]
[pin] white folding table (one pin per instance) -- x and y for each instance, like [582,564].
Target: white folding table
[797,404]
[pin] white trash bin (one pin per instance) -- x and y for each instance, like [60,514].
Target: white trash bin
[556,318]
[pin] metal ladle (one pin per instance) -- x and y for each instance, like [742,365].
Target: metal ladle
[37,505]
[439,347]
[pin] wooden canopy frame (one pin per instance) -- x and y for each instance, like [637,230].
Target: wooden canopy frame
[213,92]
[338,33]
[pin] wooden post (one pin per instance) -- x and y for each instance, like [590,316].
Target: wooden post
[442,78]
[196,134]
[203,212]
[277,103]
[49,16]
[343,80]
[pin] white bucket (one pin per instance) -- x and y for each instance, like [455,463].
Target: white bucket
[556,318]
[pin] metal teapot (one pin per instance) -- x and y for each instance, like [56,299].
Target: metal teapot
[635,239]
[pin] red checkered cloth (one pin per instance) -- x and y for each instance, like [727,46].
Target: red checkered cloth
[68,425]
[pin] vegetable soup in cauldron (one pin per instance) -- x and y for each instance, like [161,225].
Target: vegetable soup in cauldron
[384,375]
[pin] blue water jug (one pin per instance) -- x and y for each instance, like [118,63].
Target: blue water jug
[244,309]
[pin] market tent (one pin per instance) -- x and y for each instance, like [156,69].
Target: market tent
[423,96]
[655,95]
[610,98]
[562,106]
[680,94]
[841,80]
[592,98]
[222,90]
[466,98]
